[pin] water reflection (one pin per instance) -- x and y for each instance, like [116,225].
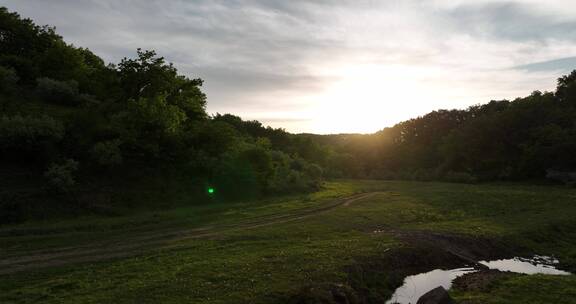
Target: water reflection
[537,264]
[417,285]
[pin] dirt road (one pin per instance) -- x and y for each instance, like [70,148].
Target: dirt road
[140,243]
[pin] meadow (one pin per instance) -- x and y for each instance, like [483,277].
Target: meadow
[362,236]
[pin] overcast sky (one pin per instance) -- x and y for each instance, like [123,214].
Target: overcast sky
[333,66]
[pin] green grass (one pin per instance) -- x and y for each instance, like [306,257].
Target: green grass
[35,235]
[523,289]
[267,264]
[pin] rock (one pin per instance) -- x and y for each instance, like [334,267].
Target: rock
[438,295]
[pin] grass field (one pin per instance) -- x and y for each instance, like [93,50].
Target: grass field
[266,251]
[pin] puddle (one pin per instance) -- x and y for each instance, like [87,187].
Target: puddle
[416,285]
[537,264]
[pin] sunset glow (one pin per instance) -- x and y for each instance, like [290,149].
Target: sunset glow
[344,66]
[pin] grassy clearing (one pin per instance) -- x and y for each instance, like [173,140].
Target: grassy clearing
[266,264]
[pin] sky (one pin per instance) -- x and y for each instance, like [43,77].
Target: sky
[333,66]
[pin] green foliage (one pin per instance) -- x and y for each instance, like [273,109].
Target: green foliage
[149,76]
[148,127]
[566,89]
[215,138]
[23,43]
[25,130]
[61,177]
[22,36]
[8,80]
[145,76]
[236,179]
[58,92]
[62,62]
[155,114]
[315,171]
[107,153]
[22,137]
[25,68]
[140,113]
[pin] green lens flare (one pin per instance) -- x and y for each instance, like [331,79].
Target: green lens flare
[210,190]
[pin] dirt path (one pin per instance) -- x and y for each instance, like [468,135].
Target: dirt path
[140,243]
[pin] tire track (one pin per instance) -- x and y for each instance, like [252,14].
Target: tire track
[140,244]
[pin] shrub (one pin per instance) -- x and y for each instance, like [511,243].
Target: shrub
[315,173]
[58,92]
[107,153]
[24,135]
[8,80]
[61,177]
[87,99]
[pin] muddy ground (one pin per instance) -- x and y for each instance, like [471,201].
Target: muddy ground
[373,280]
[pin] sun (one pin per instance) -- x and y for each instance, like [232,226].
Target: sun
[366,98]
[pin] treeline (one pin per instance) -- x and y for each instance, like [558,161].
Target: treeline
[71,119]
[523,139]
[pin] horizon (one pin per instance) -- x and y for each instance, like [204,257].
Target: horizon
[312,67]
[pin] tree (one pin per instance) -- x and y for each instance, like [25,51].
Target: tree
[566,89]
[149,126]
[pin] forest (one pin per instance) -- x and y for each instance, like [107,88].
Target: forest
[72,125]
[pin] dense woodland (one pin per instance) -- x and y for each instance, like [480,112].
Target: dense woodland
[73,126]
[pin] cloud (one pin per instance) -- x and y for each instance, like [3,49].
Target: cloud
[512,21]
[564,65]
[297,62]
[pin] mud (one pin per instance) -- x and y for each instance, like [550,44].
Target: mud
[478,280]
[375,279]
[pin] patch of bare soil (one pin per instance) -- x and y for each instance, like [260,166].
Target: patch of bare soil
[480,281]
[466,248]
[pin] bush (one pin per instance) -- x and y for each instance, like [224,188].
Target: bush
[18,130]
[315,172]
[236,179]
[61,177]
[59,92]
[24,135]
[107,153]
[87,99]
[8,80]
